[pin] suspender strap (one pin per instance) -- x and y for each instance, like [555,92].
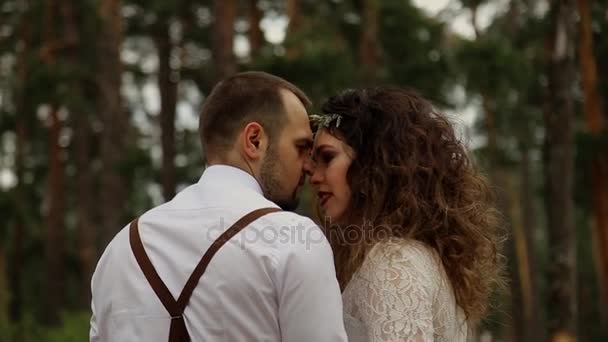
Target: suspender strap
[178,332]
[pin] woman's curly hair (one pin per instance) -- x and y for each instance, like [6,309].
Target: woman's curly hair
[411,178]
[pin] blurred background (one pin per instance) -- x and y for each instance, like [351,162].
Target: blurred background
[99,103]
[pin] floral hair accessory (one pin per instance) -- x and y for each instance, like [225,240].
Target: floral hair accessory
[325,120]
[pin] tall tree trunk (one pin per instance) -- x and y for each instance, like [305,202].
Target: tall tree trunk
[85,223]
[256,36]
[55,194]
[85,227]
[55,232]
[369,48]
[518,269]
[16,264]
[167,84]
[4,291]
[113,118]
[489,120]
[295,25]
[504,194]
[594,118]
[293,14]
[223,38]
[524,241]
[16,260]
[525,225]
[559,173]
[525,300]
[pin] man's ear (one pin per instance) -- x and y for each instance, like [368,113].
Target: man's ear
[254,140]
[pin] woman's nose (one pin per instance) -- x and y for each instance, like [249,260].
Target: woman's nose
[315,177]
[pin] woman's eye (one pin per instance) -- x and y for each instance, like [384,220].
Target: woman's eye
[326,157]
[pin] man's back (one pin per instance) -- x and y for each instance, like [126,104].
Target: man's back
[273,281]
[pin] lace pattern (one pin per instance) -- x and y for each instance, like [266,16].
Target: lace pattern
[402,293]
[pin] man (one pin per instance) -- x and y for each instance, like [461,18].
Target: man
[274,280]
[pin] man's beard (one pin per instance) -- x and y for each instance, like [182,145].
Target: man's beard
[271,185]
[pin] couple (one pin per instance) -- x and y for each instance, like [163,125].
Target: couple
[407,250]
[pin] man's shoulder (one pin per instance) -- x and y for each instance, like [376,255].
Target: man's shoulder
[290,220]
[289,216]
[293,233]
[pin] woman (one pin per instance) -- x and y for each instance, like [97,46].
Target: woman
[412,223]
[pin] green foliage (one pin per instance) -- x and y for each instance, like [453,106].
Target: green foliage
[74,327]
[490,64]
[505,65]
[319,72]
[600,41]
[415,52]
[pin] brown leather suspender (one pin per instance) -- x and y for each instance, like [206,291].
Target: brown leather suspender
[178,332]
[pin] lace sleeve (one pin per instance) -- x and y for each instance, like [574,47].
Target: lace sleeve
[398,300]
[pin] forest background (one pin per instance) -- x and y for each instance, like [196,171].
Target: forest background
[99,103]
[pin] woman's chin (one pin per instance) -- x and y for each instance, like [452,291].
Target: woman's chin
[326,216]
[330,218]
[323,216]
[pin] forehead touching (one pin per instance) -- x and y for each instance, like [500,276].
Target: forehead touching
[326,136]
[324,140]
[297,125]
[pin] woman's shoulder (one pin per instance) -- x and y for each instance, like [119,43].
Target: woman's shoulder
[408,275]
[400,259]
[405,251]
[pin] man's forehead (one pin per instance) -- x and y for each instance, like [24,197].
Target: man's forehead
[295,109]
[297,116]
[299,134]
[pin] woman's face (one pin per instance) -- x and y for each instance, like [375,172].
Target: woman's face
[332,158]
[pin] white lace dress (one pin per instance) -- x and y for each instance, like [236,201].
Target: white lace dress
[402,293]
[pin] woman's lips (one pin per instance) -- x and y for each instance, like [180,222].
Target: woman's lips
[324,197]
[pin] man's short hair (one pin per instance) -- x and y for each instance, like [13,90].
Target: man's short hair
[238,100]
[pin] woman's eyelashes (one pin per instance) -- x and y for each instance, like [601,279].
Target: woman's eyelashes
[326,157]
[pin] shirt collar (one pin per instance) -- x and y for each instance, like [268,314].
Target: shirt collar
[229,174]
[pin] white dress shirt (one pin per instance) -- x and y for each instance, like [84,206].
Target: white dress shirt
[274,281]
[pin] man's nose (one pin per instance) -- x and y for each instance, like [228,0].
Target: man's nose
[308,167]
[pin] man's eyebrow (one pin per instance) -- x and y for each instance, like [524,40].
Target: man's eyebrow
[308,142]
